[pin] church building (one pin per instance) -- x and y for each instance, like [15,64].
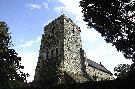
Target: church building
[61,57]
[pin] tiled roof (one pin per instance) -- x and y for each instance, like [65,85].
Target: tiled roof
[97,66]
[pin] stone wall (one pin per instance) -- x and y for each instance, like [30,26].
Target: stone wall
[51,52]
[72,45]
[98,75]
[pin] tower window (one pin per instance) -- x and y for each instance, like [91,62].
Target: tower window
[47,53]
[52,30]
[61,50]
[73,30]
[56,51]
[52,53]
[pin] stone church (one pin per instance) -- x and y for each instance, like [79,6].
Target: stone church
[61,57]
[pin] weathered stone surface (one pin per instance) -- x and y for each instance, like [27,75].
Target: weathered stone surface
[61,57]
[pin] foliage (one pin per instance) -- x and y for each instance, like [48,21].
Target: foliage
[11,75]
[114,19]
[131,72]
[112,84]
[121,71]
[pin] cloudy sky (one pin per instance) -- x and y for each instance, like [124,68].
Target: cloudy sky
[26,19]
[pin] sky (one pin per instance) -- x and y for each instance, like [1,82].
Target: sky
[27,18]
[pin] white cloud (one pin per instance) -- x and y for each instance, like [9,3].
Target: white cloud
[31,43]
[37,6]
[49,0]
[46,5]
[70,6]
[59,9]
[29,61]
[33,6]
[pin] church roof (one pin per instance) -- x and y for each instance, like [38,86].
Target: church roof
[97,66]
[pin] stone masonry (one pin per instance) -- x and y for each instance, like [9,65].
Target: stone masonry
[61,57]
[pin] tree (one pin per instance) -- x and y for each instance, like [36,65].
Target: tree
[121,71]
[114,19]
[11,75]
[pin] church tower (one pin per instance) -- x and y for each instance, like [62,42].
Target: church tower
[60,53]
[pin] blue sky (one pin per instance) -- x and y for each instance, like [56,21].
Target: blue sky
[26,19]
